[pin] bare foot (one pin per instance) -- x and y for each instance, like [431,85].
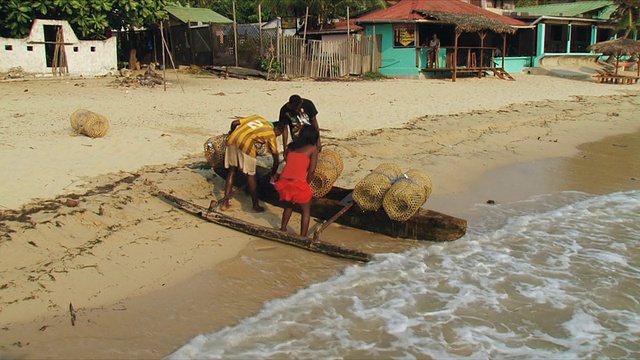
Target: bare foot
[258,209]
[225,207]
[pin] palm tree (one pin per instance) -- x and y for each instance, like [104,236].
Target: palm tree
[626,16]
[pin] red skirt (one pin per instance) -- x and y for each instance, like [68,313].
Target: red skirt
[295,191]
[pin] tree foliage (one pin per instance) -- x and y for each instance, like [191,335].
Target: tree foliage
[324,11]
[90,19]
[626,16]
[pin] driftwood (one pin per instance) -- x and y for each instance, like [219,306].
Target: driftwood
[237,72]
[265,232]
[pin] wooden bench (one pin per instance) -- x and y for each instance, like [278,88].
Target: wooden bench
[608,77]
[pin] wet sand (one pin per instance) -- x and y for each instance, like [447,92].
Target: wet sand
[503,155]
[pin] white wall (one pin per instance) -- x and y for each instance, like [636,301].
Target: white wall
[84,57]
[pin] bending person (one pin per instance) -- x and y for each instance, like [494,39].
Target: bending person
[296,113]
[241,153]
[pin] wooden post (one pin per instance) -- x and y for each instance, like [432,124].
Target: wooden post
[278,41]
[348,45]
[482,34]
[174,66]
[164,67]
[235,34]
[260,29]
[504,48]
[306,20]
[455,56]
[303,57]
[373,49]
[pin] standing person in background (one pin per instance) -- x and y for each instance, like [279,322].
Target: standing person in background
[434,51]
[296,113]
[241,153]
[293,184]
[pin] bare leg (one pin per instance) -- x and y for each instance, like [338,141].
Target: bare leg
[306,215]
[253,189]
[286,215]
[228,186]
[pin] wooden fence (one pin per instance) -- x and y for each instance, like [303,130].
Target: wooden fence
[355,55]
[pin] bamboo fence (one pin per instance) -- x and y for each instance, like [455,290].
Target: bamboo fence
[355,55]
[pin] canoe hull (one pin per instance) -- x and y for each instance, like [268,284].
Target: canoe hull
[425,225]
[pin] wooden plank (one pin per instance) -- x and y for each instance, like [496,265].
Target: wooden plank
[265,232]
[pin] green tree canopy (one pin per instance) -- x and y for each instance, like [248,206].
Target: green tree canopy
[626,16]
[90,19]
[323,10]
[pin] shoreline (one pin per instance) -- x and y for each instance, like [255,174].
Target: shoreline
[157,323]
[240,273]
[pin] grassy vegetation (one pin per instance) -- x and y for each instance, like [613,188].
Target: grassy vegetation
[374,75]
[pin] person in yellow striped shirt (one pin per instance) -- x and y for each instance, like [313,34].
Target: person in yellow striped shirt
[241,153]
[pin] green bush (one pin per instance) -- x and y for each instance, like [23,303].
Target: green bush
[272,67]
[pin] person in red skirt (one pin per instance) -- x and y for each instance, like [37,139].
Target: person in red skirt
[293,184]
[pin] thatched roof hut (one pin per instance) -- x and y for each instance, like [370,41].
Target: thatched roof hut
[468,22]
[617,47]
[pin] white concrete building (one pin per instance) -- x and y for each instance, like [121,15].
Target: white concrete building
[38,54]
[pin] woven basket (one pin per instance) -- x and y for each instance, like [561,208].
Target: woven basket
[369,192]
[328,170]
[89,123]
[214,149]
[407,195]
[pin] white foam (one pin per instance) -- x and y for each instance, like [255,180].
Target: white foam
[545,278]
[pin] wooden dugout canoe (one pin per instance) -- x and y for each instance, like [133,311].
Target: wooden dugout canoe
[265,232]
[426,225]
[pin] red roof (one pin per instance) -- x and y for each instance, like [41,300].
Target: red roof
[405,10]
[339,27]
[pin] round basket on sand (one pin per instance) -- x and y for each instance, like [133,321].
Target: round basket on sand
[214,149]
[407,195]
[369,192]
[328,170]
[89,123]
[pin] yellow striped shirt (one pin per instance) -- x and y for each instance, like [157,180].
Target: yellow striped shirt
[253,129]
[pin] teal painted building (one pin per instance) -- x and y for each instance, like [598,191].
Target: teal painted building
[568,28]
[473,37]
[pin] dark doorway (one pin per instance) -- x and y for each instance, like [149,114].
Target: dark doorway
[50,38]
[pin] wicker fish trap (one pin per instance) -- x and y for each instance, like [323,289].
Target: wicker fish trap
[369,192]
[214,149]
[89,123]
[261,149]
[407,195]
[328,170]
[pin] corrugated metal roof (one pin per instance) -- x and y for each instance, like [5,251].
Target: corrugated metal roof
[405,10]
[187,15]
[601,9]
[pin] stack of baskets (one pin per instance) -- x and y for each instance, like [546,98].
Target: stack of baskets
[401,195]
[407,195]
[89,123]
[328,170]
[369,192]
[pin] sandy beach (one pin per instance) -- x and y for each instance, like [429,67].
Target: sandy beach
[144,278]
